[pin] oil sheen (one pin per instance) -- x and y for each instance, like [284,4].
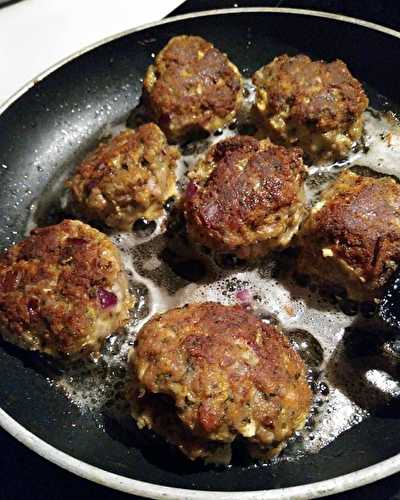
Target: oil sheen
[349,380]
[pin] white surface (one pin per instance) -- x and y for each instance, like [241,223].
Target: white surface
[35,34]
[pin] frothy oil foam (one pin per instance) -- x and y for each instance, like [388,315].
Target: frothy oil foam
[99,386]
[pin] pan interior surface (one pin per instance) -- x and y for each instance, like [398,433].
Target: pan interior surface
[53,125]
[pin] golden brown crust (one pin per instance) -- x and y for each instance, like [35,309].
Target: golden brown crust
[192,87]
[226,373]
[297,96]
[62,290]
[357,228]
[249,196]
[128,178]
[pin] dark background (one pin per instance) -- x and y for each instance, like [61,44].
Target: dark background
[25,475]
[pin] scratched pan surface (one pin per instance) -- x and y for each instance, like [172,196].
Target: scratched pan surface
[53,123]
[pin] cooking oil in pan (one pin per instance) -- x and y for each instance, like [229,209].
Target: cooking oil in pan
[348,382]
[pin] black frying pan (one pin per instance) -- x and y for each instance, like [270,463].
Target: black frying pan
[52,123]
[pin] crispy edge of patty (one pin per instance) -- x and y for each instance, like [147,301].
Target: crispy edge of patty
[246,222]
[183,107]
[224,324]
[53,286]
[128,178]
[324,118]
[352,236]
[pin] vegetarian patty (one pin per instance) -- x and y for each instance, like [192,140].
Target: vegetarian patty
[352,236]
[205,374]
[62,290]
[126,179]
[246,197]
[192,88]
[313,104]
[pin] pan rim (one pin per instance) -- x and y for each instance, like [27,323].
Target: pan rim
[80,468]
[236,10]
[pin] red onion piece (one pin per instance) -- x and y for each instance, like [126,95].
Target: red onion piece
[244,296]
[211,213]
[106,299]
[90,185]
[191,189]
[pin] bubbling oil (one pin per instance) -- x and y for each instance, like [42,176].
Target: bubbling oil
[318,329]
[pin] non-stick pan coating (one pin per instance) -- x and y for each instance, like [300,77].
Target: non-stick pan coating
[58,120]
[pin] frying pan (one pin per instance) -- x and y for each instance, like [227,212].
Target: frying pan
[55,120]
